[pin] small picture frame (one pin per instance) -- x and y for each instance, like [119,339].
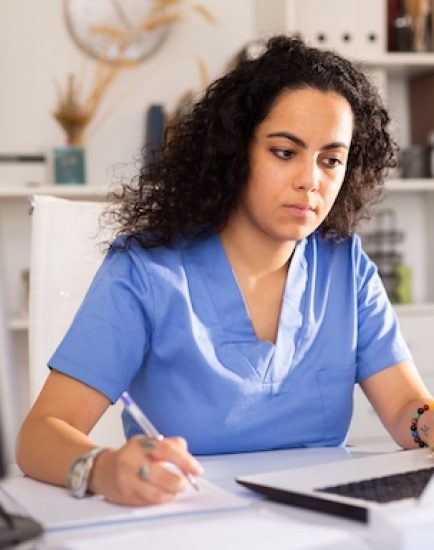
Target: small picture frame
[69,165]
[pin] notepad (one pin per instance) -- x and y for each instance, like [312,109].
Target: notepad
[56,509]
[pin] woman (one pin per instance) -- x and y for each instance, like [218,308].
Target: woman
[236,305]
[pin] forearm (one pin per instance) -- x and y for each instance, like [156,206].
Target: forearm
[396,393]
[47,446]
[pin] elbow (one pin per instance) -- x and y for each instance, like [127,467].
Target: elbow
[24,447]
[20,453]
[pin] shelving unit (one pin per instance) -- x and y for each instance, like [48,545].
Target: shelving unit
[413,202]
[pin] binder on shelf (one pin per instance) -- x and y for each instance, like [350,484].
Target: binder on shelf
[348,26]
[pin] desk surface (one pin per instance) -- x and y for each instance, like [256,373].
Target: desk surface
[199,531]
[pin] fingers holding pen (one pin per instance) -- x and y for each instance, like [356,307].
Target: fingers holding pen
[137,473]
[173,450]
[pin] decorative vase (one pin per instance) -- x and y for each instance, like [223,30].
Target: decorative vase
[69,165]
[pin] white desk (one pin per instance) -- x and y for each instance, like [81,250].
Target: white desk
[199,531]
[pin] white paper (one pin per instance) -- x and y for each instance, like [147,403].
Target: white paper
[239,530]
[55,508]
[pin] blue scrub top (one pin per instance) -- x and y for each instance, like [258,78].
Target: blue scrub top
[170,325]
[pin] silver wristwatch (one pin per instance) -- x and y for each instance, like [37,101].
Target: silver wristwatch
[79,472]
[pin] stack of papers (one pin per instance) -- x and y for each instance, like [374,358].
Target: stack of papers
[54,508]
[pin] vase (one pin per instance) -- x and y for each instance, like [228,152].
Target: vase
[69,164]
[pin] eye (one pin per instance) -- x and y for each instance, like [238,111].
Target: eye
[281,153]
[333,162]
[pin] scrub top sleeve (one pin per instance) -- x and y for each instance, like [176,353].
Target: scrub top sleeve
[380,342]
[109,337]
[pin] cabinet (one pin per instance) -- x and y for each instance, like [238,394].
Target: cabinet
[15,227]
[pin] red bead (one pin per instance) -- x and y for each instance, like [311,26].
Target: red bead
[414,422]
[426,407]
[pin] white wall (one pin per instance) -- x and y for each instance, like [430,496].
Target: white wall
[37,50]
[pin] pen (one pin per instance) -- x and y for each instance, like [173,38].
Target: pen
[148,428]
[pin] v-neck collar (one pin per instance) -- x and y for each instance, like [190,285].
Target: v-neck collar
[228,298]
[232,313]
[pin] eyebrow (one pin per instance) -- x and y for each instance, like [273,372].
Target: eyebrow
[298,141]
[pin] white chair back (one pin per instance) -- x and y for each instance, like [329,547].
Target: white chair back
[66,251]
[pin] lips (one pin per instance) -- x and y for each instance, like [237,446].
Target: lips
[300,210]
[300,206]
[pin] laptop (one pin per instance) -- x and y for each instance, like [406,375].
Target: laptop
[351,488]
[14,528]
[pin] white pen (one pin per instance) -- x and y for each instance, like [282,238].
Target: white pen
[148,428]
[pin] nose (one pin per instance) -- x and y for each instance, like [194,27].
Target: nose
[307,177]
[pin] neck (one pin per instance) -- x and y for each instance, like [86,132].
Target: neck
[260,255]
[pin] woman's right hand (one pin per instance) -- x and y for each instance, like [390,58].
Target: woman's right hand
[137,474]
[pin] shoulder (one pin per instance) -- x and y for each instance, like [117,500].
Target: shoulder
[154,259]
[345,256]
[348,249]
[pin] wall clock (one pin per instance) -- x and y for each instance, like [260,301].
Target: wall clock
[117,31]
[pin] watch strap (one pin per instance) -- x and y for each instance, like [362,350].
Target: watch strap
[85,462]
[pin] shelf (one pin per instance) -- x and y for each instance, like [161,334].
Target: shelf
[19,323]
[410,185]
[66,191]
[411,310]
[401,62]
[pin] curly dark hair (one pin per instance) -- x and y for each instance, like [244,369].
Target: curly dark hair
[195,184]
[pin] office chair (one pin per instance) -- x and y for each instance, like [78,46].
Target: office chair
[66,251]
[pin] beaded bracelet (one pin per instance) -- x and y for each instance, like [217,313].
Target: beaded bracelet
[414,421]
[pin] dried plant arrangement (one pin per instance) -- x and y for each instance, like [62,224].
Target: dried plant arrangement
[78,101]
[74,111]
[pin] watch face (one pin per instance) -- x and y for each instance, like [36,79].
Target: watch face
[117,31]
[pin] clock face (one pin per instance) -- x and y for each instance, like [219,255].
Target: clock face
[117,31]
